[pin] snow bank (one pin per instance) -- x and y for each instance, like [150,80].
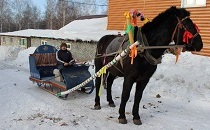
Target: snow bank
[15,55]
[9,52]
[23,58]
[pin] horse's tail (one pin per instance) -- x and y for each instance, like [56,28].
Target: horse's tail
[103,44]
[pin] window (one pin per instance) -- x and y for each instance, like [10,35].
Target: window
[68,46]
[43,42]
[22,42]
[4,39]
[11,40]
[193,3]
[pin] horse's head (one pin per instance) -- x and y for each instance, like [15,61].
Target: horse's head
[187,33]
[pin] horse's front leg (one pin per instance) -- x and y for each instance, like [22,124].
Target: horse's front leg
[97,105]
[127,85]
[140,86]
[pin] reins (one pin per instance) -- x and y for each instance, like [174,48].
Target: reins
[161,47]
[140,47]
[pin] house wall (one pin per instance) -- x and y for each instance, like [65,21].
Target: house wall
[83,51]
[151,8]
[80,50]
[13,41]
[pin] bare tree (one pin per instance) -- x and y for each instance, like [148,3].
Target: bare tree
[104,6]
[50,14]
[67,11]
[72,12]
[27,16]
[89,8]
[23,14]
[61,12]
[2,11]
[5,16]
[18,7]
[36,18]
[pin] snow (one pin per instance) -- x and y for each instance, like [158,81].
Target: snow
[183,86]
[88,29]
[184,104]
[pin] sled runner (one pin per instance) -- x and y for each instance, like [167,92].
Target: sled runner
[44,72]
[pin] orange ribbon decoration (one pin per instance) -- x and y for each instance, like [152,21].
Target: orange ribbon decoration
[133,53]
[178,53]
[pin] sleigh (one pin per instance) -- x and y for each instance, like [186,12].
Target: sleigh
[44,72]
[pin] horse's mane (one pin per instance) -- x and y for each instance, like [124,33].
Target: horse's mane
[179,12]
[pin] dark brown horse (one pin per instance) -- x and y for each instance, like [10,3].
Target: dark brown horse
[169,25]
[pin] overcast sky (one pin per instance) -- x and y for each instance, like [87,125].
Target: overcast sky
[40,4]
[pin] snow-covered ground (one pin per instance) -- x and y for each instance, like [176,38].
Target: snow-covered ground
[184,88]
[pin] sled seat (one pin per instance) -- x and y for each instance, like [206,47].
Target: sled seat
[43,62]
[45,59]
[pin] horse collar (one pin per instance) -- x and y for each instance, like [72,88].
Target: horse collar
[147,52]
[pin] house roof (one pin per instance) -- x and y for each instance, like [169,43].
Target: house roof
[84,30]
[91,17]
[32,33]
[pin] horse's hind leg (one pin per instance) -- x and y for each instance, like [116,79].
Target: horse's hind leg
[110,80]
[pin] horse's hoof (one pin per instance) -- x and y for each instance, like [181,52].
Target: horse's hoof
[112,105]
[123,121]
[97,107]
[137,122]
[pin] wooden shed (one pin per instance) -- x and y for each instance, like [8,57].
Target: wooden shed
[200,14]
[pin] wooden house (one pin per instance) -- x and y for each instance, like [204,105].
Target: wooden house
[200,14]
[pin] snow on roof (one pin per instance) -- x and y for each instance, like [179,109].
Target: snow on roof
[85,30]
[32,33]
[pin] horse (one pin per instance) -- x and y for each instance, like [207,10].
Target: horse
[170,25]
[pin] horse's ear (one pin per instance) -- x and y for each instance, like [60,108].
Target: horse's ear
[184,12]
[173,7]
[181,13]
[173,10]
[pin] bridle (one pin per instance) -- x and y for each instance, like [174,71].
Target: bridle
[144,46]
[187,34]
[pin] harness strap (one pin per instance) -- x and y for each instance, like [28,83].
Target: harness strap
[147,53]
